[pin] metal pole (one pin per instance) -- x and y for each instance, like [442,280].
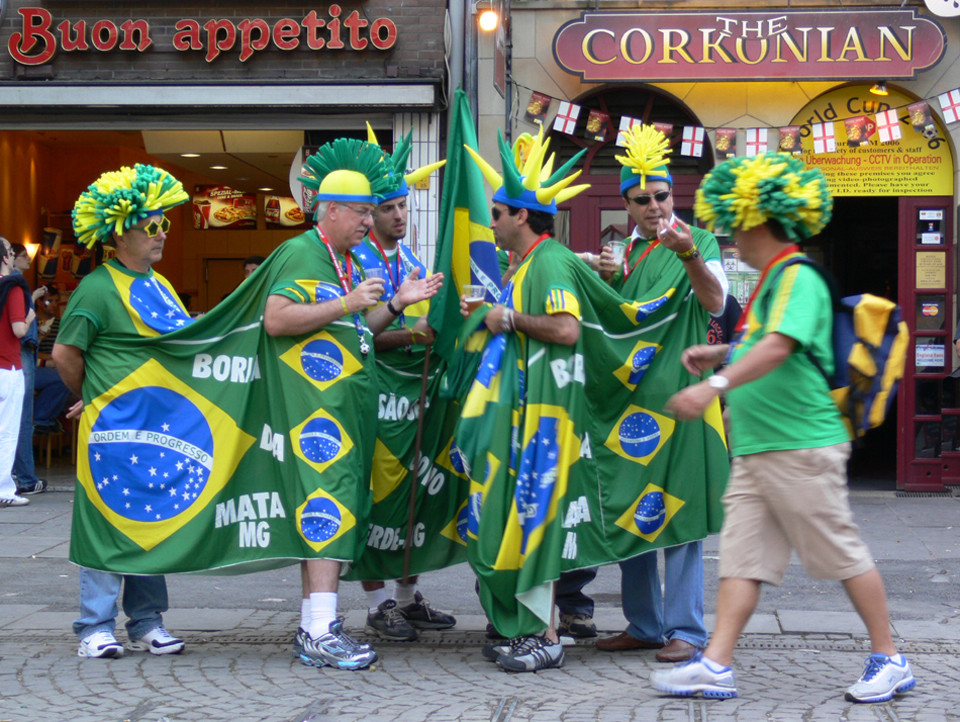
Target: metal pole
[415,480]
[507,21]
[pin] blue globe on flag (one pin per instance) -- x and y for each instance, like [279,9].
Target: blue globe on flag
[463,522]
[641,362]
[322,360]
[537,476]
[150,454]
[639,435]
[320,520]
[651,512]
[320,440]
[327,292]
[156,307]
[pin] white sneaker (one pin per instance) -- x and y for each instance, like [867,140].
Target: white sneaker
[882,678]
[531,654]
[699,674]
[157,641]
[100,644]
[15,500]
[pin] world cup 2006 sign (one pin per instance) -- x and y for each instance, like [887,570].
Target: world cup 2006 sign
[697,46]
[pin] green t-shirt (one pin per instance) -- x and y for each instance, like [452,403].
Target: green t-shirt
[115,302]
[790,407]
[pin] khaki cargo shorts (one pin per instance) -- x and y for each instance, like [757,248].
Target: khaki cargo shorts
[781,500]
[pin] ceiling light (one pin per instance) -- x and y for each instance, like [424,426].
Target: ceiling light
[189,155]
[880,88]
[218,167]
[265,189]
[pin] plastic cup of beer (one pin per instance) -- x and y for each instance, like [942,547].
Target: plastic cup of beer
[375,273]
[474,295]
[618,248]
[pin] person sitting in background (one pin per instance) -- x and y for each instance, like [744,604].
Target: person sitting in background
[52,395]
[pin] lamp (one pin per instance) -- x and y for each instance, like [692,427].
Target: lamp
[487,17]
[880,88]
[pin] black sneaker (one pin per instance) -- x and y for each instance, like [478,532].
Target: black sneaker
[577,625]
[533,653]
[389,623]
[491,652]
[37,487]
[422,616]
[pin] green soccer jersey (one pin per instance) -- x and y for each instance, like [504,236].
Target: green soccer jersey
[790,407]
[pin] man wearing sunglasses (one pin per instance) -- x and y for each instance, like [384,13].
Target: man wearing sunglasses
[663,252]
[122,297]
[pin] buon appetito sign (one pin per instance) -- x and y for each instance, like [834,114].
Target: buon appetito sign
[40,36]
[795,45]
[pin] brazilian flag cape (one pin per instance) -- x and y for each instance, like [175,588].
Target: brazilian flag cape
[442,489]
[571,459]
[219,447]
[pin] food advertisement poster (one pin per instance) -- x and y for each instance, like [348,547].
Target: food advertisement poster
[223,207]
[283,212]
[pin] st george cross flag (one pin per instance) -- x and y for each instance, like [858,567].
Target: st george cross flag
[757,141]
[888,126]
[824,139]
[950,105]
[626,123]
[566,120]
[691,143]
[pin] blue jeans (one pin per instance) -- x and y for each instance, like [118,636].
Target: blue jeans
[570,596]
[23,467]
[677,613]
[144,601]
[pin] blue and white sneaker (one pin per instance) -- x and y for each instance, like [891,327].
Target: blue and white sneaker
[531,654]
[298,641]
[697,675]
[491,652]
[102,645]
[882,678]
[337,649]
[157,641]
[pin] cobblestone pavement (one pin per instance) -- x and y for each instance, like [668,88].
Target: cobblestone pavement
[800,652]
[229,676]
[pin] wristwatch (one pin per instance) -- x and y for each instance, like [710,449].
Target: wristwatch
[720,383]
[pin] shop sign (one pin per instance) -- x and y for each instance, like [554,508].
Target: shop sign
[793,45]
[41,36]
[917,164]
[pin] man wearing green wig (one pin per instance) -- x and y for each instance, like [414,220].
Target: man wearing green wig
[788,482]
[318,300]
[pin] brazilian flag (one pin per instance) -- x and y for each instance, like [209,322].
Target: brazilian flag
[216,446]
[572,461]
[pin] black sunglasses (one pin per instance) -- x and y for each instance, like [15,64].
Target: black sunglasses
[644,200]
[495,212]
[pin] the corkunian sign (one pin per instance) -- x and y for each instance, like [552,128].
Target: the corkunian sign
[789,45]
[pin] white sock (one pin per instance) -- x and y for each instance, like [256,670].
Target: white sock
[305,613]
[323,610]
[711,665]
[896,659]
[405,594]
[376,597]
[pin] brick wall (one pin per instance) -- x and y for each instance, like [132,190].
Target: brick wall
[417,52]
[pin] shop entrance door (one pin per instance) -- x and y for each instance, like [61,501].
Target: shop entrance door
[860,249]
[220,277]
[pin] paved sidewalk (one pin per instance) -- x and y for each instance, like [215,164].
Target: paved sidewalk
[800,652]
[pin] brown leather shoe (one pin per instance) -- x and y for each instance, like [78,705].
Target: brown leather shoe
[623,642]
[676,651]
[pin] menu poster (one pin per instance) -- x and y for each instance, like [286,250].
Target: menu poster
[283,212]
[223,207]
